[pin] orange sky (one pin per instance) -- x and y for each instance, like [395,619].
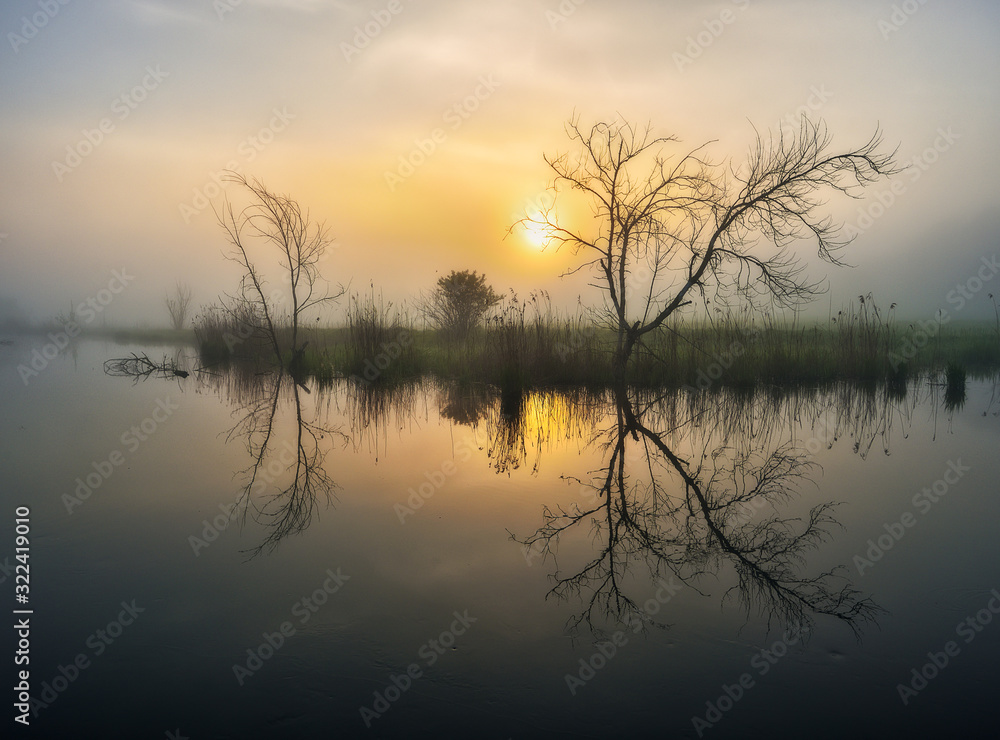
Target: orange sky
[416,130]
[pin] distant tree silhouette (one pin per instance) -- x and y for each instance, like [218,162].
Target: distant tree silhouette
[459,302]
[178,305]
[668,227]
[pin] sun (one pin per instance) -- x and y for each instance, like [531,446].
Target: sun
[537,232]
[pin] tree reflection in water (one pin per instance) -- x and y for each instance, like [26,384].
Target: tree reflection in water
[691,483]
[512,422]
[716,504]
[286,481]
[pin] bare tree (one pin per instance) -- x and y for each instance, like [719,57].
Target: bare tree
[282,225]
[669,226]
[178,305]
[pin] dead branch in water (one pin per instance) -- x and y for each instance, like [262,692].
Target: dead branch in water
[140,366]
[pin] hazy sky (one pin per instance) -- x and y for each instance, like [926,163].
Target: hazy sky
[117,116]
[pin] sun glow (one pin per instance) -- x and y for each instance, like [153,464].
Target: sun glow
[537,232]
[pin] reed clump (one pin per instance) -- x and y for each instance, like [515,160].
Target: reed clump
[226,334]
[379,341]
[527,344]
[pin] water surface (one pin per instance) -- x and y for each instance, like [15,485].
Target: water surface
[441,561]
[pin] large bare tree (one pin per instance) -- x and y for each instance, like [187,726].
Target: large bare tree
[669,224]
[277,223]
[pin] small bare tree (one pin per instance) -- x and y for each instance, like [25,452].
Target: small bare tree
[279,223]
[178,305]
[668,226]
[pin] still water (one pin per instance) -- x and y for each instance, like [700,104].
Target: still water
[237,556]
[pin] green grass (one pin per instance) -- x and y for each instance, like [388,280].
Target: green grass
[526,344]
[379,343]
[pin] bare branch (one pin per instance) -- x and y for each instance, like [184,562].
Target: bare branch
[280,224]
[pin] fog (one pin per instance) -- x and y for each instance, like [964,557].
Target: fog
[416,133]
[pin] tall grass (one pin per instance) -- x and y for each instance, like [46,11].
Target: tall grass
[861,343]
[380,341]
[223,334]
[954,393]
[525,343]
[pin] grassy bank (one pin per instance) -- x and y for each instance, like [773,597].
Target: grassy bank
[527,345]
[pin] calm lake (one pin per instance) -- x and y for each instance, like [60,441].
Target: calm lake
[234,556]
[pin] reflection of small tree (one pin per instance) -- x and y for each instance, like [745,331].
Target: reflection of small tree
[464,403]
[178,305]
[459,302]
[301,475]
[281,224]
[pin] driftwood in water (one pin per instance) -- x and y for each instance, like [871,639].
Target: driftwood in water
[140,366]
